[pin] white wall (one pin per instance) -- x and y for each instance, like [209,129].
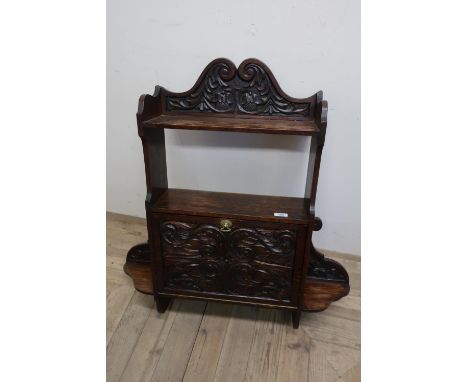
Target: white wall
[308,45]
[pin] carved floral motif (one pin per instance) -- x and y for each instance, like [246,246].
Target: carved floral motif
[247,90]
[139,254]
[246,262]
[326,269]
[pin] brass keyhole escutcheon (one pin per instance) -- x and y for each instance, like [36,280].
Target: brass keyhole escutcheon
[225,225]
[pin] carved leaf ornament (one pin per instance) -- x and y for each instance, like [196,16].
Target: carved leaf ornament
[248,90]
[248,262]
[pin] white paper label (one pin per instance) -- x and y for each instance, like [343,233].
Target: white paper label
[281,214]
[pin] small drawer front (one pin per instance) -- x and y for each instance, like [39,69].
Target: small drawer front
[248,259]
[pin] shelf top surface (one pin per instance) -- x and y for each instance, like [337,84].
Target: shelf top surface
[238,124]
[224,204]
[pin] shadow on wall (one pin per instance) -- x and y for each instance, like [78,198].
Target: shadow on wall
[240,140]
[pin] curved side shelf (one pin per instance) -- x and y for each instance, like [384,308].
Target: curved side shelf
[138,267]
[326,281]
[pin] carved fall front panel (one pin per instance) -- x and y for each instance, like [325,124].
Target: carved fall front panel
[245,262]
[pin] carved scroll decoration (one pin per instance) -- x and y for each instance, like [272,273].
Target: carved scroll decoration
[323,268]
[250,89]
[244,262]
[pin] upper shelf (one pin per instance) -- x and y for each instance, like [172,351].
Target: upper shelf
[247,125]
[227,98]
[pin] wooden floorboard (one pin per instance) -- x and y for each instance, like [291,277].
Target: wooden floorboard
[197,341]
[205,355]
[265,349]
[234,357]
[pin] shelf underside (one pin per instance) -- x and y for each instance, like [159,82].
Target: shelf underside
[246,125]
[224,204]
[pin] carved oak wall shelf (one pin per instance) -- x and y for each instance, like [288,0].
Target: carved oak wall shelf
[230,247]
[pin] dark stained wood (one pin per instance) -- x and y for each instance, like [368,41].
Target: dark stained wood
[326,281]
[315,153]
[321,268]
[318,295]
[231,247]
[138,267]
[310,193]
[243,125]
[154,150]
[250,89]
[221,204]
[162,303]
[141,276]
[250,263]
[247,261]
[296,316]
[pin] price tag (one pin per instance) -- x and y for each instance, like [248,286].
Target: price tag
[281,214]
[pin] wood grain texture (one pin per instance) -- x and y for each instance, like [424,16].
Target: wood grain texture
[318,293]
[126,335]
[246,99]
[240,125]
[150,345]
[265,349]
[138,267]
[235,353]
[141,276]
[209,343]
[117,303]
[180,342]
[295,351]
[326,347]
[225,204]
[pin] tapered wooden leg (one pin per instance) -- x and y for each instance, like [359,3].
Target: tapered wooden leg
[162,303]
[296,316]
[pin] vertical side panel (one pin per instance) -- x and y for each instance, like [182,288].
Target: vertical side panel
[154,147]
[156,253]
[297,268]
